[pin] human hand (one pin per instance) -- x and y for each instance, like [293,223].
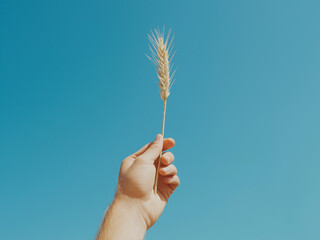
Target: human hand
[137,175]
[136,207]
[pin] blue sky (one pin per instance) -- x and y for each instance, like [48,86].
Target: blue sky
[77,95]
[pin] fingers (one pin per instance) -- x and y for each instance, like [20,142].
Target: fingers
[167,158]
[173,181]
[168,170]
[168,175]
[168,143]
[154,150]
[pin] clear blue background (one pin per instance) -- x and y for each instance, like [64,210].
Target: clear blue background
[77,95]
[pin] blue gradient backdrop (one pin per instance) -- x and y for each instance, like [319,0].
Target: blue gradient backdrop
[77,95]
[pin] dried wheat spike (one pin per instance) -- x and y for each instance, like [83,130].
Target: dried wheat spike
[160,56]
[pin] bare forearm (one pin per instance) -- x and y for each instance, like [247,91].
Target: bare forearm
[122,221]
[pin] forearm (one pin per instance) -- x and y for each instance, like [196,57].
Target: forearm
[122,221]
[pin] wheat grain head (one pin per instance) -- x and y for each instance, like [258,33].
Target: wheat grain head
[161,50]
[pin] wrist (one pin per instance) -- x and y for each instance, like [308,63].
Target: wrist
[122,221]
[130,208]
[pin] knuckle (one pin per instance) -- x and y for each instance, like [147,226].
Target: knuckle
[169,157]
[172,168]
[178,180]
[169,154]
[175,170]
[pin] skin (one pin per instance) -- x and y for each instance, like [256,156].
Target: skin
[136,207]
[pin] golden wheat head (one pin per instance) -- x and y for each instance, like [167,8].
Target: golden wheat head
[161,49]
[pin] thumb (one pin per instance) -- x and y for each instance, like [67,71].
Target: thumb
[154,150]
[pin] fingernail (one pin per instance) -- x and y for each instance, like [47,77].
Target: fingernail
[158,137]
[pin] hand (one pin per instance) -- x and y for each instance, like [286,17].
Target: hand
[137,175]
[136,207]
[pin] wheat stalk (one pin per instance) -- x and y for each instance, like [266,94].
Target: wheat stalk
[161,49]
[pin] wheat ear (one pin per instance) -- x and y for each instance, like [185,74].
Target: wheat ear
[160,56]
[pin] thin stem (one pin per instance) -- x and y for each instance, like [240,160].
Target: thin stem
[159,161]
